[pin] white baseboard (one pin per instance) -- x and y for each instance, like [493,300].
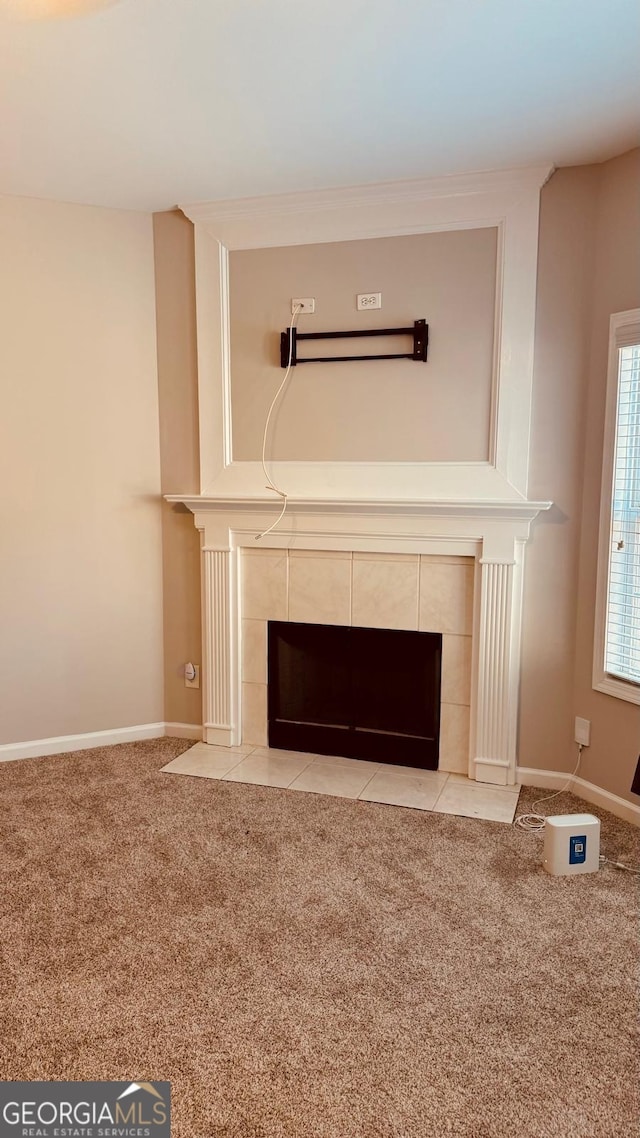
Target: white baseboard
[555,780]
[546,780]
[183,731]
[62,744]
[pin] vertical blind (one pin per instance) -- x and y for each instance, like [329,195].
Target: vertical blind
[622,642]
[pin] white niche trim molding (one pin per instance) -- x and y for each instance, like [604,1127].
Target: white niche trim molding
[494,534]
[507,200]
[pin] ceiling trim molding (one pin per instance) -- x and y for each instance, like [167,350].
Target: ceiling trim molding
[524,178]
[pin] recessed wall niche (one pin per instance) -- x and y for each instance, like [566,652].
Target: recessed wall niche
[384,411]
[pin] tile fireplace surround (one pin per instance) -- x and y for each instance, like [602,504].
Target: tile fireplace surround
[449,568]
[392,590]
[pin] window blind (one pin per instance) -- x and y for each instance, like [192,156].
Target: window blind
[622,640]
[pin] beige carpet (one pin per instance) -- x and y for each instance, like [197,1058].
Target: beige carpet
[306,966]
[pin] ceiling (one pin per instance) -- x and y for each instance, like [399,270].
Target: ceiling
[153,102]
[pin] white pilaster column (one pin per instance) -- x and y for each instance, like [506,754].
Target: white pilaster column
[218,646]
[494,754]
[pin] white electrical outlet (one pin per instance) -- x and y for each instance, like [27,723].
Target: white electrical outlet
[368,300]
[304,304]
[582,731]
[192,675]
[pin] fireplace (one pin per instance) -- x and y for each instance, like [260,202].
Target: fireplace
[450,568]
[473,509]
[366,693]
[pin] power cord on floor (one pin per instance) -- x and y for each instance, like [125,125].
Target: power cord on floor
[618,864]
[534,823]
[270,483]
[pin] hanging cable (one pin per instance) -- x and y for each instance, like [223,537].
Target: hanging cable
[270,483]
[534,823]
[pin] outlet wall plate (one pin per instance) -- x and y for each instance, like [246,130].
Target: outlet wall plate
[195,682]
[367,300]
[305,305]
[583,731]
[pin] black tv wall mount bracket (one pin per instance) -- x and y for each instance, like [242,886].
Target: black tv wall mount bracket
[290,339]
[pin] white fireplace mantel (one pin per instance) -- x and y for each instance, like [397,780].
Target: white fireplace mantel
[471,509]
[494,534]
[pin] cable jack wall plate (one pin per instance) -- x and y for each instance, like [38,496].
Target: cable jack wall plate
[305,305]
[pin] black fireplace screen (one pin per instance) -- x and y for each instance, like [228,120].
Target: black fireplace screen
[366,693]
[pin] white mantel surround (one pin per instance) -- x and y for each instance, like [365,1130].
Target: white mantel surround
[494,534]
[469,509]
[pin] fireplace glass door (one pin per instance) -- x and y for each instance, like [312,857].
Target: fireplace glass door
[365,693]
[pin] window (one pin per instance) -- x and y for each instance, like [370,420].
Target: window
[617,640]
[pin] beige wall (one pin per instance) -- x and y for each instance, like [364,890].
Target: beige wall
[382,411]
[80,571]
[615,724]
[179,456]
[565,269]
[589,267]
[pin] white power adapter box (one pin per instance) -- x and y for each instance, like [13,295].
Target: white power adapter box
[571,843]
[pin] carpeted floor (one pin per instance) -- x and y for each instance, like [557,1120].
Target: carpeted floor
[306,966]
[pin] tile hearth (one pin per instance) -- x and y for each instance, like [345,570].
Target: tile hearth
[436,791]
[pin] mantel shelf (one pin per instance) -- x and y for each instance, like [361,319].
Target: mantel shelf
[522,510]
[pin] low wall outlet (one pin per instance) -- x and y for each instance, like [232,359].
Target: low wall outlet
[583,731]
[305,305]
[192,675]
[367,300]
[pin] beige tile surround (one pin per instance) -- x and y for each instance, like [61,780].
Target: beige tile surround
[404,591]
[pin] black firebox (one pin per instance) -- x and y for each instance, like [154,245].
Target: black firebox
[366,693]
